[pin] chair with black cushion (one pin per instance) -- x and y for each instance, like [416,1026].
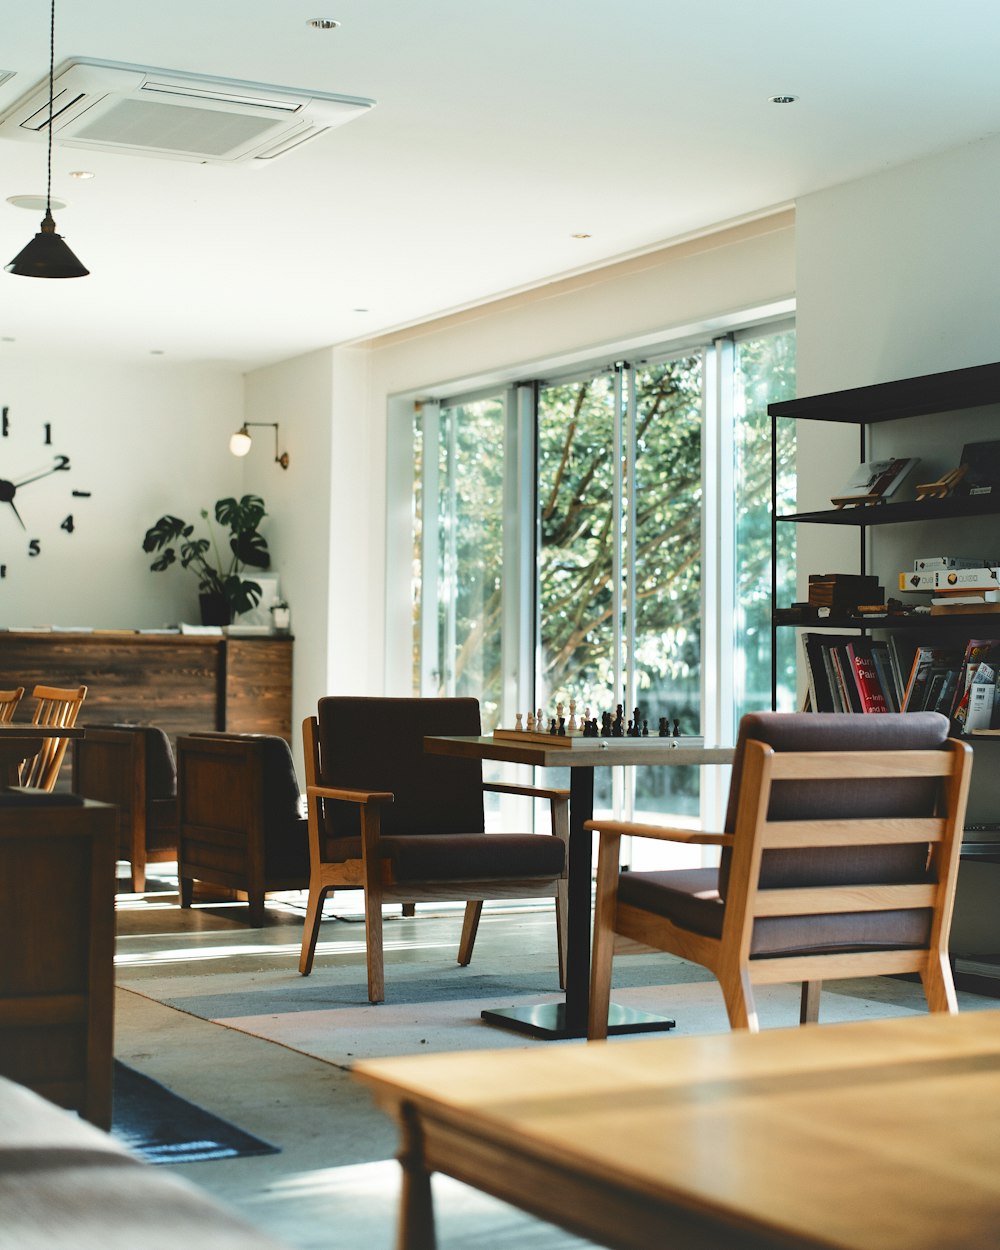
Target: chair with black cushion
[9,699]
[54,707]
[403,825]
[132,766]
[840,859]
[239,826]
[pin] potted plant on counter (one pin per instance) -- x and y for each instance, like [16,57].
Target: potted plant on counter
[223,591]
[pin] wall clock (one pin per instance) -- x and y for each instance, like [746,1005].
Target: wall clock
[29,515]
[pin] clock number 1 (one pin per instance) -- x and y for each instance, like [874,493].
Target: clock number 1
[5,426]
[48,433]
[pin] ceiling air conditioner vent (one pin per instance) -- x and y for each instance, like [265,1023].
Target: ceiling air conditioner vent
[143,111]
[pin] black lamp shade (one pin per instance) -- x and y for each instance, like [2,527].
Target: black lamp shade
[47,256]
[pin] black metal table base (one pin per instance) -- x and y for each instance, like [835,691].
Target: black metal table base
[548,1020]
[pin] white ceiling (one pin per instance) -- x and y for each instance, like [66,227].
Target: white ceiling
[501,129]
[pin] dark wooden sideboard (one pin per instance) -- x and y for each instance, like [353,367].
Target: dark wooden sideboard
[182,683]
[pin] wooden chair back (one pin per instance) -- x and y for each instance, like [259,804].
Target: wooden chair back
[54,707]
[9,699]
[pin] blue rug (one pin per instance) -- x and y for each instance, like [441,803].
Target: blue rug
[161,1127]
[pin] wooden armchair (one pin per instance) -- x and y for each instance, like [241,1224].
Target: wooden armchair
[132,766]
[402,825]
[238,819]
[9,699]
[840,859]
[60,708]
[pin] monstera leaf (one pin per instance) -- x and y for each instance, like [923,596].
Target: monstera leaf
[168,529]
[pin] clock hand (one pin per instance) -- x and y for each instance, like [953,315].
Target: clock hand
[7,492]
[63,463]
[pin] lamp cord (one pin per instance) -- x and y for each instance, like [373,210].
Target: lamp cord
[52,60]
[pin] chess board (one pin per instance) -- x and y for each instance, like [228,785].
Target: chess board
[576,739]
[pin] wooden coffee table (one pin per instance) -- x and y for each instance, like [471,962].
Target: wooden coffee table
[882,1135]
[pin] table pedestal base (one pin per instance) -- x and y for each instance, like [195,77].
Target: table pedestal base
[548,1021]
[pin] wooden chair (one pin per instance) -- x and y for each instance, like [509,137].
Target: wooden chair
[53,707]
[388,818]
[238,823]
[840,860]
[9,699]
[132,766]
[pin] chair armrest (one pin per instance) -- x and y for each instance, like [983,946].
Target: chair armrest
[532,792]
[664,833]
[350,796]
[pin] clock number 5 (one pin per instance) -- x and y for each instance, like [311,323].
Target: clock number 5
[34,547]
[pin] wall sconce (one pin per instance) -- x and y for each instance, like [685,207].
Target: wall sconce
[241,442]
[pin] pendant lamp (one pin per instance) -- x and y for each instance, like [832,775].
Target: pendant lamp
[47,255]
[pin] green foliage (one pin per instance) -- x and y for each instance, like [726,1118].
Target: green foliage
[216,574]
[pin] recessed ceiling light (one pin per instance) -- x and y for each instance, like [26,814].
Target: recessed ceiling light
[80,173]
[782,99]
[322,23]
[580,235]
[35,202]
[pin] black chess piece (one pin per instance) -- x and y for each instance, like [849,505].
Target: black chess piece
[664,732]
[618,725]
[562,725]
[677,729]
[645,728]
[553,729]
[606,728]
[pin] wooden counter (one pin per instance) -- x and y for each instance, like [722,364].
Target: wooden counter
[183,684]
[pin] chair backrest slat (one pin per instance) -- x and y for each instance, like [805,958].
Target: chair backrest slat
[54,707]
[9,699]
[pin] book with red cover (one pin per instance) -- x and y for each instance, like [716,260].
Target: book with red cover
[870,692]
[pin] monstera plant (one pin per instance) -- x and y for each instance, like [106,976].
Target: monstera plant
[224,591]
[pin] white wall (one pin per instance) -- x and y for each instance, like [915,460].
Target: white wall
[144,440]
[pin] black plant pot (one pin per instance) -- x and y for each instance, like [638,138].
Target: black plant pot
[215,609]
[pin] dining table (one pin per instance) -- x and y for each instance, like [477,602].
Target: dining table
[568,1019]
[19,742]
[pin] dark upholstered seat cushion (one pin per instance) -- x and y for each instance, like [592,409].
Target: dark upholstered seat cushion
[690,898]
[474,856]
[378,744]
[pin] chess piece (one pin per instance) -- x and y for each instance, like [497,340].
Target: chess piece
[553,728]
[531,722]
[606,731]
[618,725]
[562,725]
[645,728]
[571,723]
[559,711]
[663,731]
[518,726]
[539,721]
[677,729]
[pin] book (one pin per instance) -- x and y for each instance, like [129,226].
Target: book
[876,479]
[981,699]
[845,678]
[923,687]
[862,666]
[957,609]
[886,675]
[976,596]
[981,578]
[917,581]
[932,564]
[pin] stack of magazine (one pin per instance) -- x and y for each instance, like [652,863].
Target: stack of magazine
[851,673]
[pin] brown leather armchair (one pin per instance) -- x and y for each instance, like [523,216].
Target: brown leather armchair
[840,859]
[388,818]
[238,817]
[132,766]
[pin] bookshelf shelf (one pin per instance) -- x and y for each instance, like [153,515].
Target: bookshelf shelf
[901,513]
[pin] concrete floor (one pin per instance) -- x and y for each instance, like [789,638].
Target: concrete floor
[335,1183]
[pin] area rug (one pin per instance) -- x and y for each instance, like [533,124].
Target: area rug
[160,1127]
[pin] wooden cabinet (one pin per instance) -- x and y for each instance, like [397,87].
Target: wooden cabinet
[57,930]
[183,684]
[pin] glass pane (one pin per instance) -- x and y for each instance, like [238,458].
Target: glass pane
[468,532]
[576,590]
[668,574]
[764,374]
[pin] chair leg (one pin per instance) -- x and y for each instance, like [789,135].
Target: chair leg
[187,891]
[939,984]
[314,914]
[256,906]
[562,929]
[809,1003]
[409,909]
[373,944]
[470,927]
[740,1005]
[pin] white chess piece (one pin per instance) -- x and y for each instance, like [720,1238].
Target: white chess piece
[531,722]
[518,727]
[571,723]
[539,721]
